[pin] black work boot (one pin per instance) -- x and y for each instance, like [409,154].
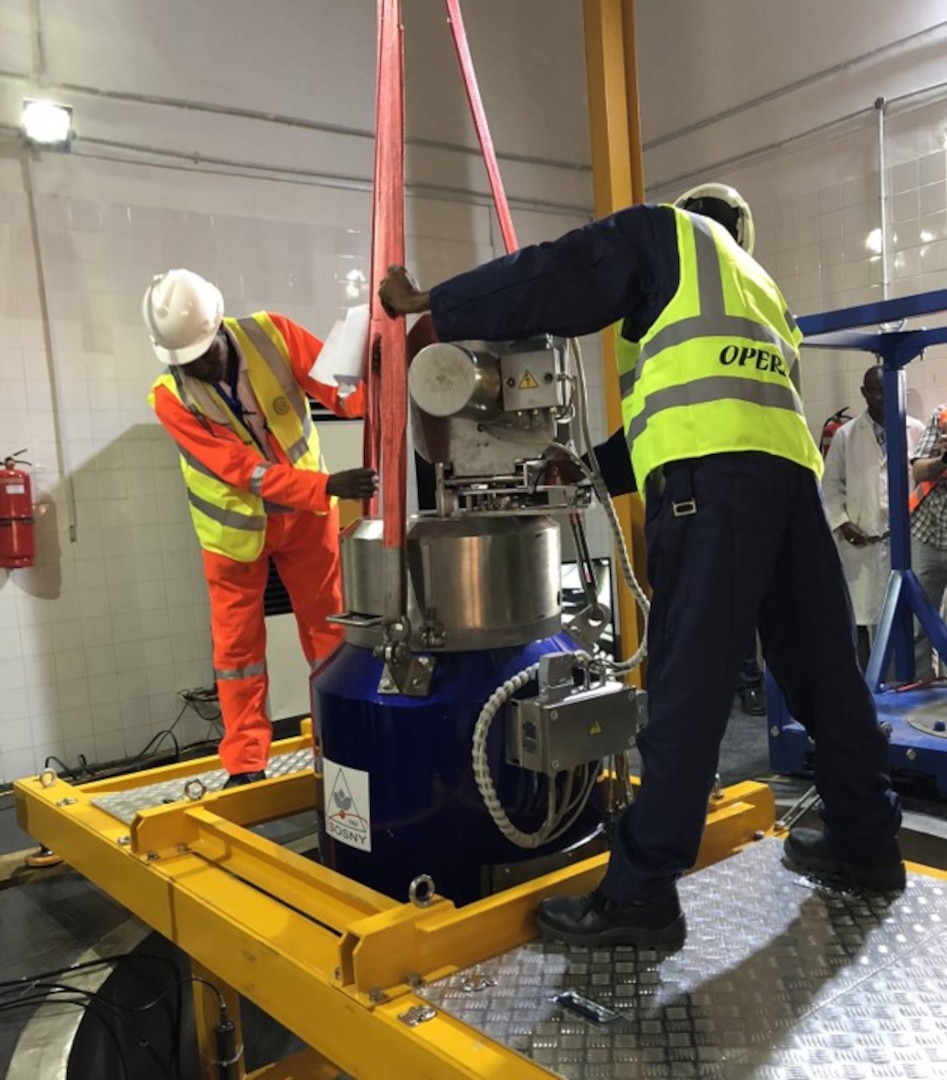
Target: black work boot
[594,920]
[810,852]
[241,778]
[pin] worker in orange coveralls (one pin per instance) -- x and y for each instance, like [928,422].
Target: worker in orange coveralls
[234,401]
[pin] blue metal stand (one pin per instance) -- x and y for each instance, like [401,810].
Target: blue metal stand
[790,748]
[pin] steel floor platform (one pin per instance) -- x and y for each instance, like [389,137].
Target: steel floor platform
[125,804]
[779,980]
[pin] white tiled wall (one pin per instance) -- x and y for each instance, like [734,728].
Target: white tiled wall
[98,639]
[818,232]
[817,212]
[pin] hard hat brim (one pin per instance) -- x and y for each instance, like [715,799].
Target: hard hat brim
[179,357]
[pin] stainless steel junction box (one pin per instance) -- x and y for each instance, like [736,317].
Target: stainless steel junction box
[566,725]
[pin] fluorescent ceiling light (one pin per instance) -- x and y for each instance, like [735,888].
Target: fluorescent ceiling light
[45,123]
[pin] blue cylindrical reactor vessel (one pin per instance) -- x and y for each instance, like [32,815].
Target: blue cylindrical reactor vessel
[400,798]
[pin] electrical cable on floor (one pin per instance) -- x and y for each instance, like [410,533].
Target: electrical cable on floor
[196,699]
[87,999]
[25,986]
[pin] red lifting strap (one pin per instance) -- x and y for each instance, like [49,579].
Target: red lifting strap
[387,408]
[386,425]
[456,20]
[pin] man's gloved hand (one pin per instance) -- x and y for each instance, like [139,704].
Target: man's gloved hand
[400,294]
[353,484]
[853,534]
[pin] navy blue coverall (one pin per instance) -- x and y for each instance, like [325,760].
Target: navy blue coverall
[757,553]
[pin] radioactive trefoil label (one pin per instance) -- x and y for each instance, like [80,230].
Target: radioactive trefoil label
[347,809]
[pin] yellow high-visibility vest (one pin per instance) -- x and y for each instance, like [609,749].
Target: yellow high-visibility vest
[228,520]
[711,375]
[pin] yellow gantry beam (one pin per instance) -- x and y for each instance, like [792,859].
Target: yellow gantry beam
[333,961]
[618,181]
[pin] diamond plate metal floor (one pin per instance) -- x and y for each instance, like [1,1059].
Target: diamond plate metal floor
[124,805]
[779,980]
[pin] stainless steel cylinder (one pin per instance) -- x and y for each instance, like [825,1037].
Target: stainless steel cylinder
[450,380]
[473,582]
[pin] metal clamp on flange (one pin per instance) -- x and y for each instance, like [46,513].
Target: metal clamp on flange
[403,673]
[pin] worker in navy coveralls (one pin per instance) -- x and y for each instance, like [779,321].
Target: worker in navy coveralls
[737,537]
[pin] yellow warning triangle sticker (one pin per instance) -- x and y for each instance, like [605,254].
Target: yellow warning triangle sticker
[596,728]
[528,382]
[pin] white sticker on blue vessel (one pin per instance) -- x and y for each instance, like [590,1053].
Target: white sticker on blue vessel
[348,811]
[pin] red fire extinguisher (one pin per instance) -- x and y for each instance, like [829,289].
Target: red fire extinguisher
[17,542]
[829,428]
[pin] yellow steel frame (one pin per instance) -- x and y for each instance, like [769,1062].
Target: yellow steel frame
[333,961]
[618,177]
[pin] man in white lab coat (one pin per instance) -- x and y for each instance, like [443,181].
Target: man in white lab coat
[855,485]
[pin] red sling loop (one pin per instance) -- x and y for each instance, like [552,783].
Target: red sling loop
[387,408]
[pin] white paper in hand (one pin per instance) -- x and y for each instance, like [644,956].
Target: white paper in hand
[342,361]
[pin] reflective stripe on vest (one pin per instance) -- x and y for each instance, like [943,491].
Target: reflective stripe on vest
[717,355]
[228,520]
[925,487]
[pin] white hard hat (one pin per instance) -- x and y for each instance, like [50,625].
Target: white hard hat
[739,221]
[182,312]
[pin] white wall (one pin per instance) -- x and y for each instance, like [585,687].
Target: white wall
[778,100]
[97,640]
[237,138]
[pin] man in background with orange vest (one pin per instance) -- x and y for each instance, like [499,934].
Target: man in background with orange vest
[929,527]
[234,400]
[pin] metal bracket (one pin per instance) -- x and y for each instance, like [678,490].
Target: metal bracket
[411,677]
[589,625]
[586,1008]
[798,810]
[417,1014]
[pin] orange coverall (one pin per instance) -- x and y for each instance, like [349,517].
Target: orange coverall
[304,546]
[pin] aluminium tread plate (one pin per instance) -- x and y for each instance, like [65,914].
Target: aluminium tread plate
[780,979]
[124,805]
